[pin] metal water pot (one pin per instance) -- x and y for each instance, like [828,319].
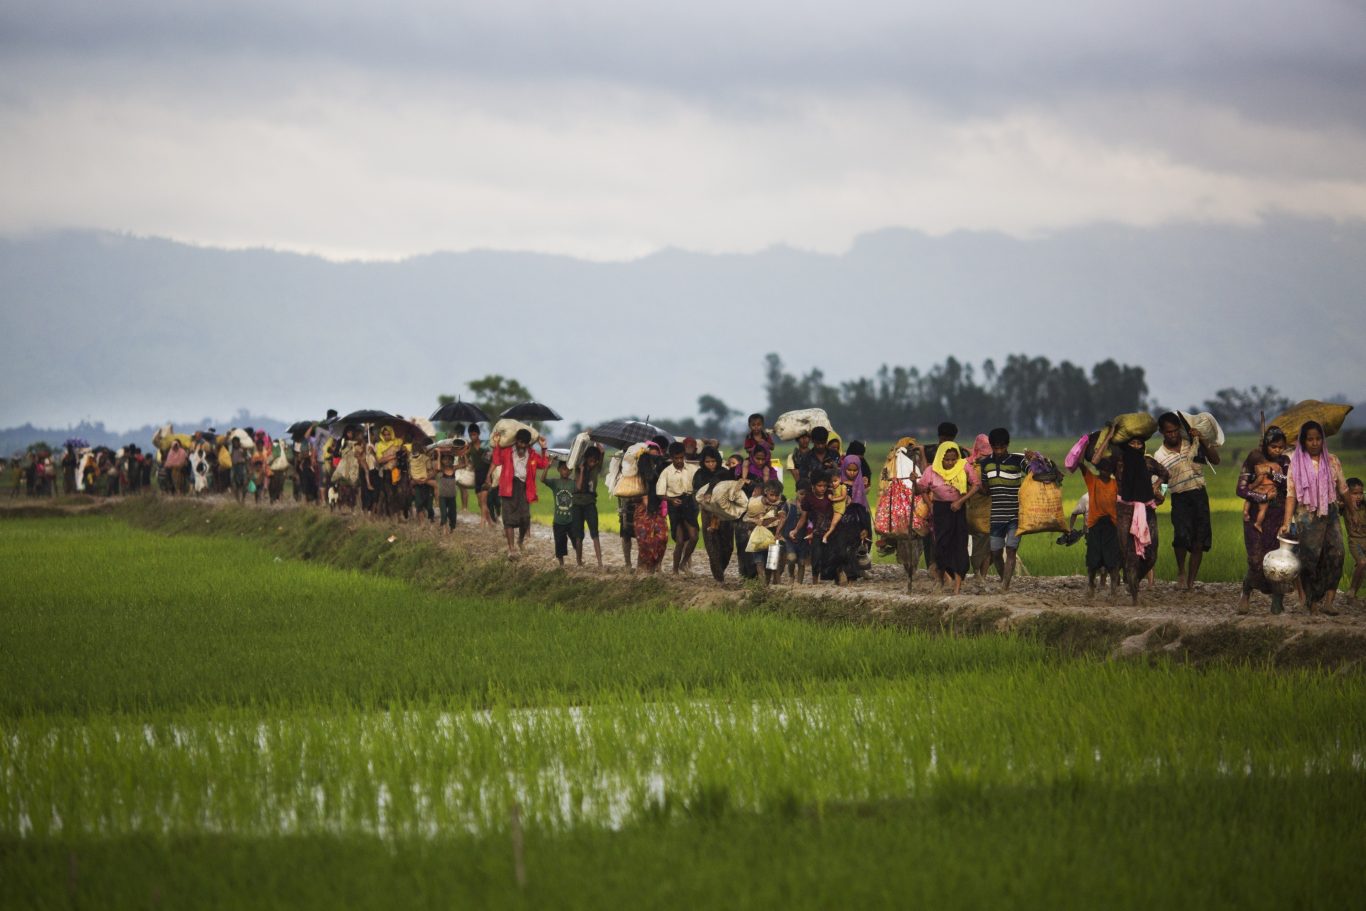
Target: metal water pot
[1282,565]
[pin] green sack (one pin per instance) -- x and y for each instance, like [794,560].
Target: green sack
[1139,425]
[251,487]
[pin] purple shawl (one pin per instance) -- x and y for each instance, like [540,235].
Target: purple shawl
[1315,492]
[858,488]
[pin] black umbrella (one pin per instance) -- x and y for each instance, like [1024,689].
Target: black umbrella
[367,416]
[408,432]
[460,412]
[622,434]
[532,411]
[299,429]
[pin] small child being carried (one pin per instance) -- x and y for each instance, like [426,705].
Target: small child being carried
[1262,482]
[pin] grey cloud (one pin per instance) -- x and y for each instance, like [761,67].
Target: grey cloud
[1299,62]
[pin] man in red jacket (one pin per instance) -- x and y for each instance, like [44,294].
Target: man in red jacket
[517,466]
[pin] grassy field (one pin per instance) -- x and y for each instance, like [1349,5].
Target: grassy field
[189,721]
[1226,562]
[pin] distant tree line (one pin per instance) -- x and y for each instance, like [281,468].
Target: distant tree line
[1030,395]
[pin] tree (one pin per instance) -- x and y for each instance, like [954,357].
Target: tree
[716,416]
[1243,409]
[1117,389]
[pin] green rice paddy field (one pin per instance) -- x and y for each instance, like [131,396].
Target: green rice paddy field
[188,721]
[1226,562]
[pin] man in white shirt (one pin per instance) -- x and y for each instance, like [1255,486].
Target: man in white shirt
[675,486]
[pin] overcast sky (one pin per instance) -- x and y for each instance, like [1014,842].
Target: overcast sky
[609,130]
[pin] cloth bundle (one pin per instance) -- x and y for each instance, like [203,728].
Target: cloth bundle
[1326,413]
[979,514]
[792,424]
[726,499]
[505,430]
[895,509]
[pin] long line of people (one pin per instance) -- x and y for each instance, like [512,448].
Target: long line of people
[960,510]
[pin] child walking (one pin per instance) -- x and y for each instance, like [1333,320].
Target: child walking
[562,488]
[1355,517]
[447,490]
[796,553]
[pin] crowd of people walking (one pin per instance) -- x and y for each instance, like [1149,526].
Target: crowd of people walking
[957,510]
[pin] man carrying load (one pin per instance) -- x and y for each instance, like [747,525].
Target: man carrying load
[1002,473]
[1191,531]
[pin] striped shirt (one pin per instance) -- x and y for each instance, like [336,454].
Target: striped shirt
[1002,479]
[1186,475]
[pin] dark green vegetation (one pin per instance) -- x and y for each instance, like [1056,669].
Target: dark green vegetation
[189,722]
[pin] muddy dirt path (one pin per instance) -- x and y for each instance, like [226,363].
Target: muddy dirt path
[1210,604]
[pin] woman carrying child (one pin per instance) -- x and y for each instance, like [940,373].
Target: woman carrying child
[718,534]
[856,535]
[1259,534]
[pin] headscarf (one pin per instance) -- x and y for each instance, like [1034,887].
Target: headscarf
[1272,435]
[981,448]
[1314,490]
[751,469]
[387,441]
[1136,486]
[957,476]
[858,488]
[703,477]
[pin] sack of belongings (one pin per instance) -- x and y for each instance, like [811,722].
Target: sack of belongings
[793,424]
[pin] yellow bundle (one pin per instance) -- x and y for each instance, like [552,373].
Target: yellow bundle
[1326,413]
[979,513]
[761,539]
[1040,507]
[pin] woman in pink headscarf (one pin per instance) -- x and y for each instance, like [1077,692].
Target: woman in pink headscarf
[1314,486]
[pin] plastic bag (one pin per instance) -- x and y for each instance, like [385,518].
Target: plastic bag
[760,539]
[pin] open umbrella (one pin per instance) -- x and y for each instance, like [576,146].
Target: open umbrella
[422,424]
[367,416]
[532,411]
[625,433]
[407,431]
[299,429]
[460,413]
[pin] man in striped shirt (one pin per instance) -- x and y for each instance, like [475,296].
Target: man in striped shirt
[1002,473]
[1192,532]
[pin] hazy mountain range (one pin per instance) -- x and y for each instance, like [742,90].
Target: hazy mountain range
[132,331]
